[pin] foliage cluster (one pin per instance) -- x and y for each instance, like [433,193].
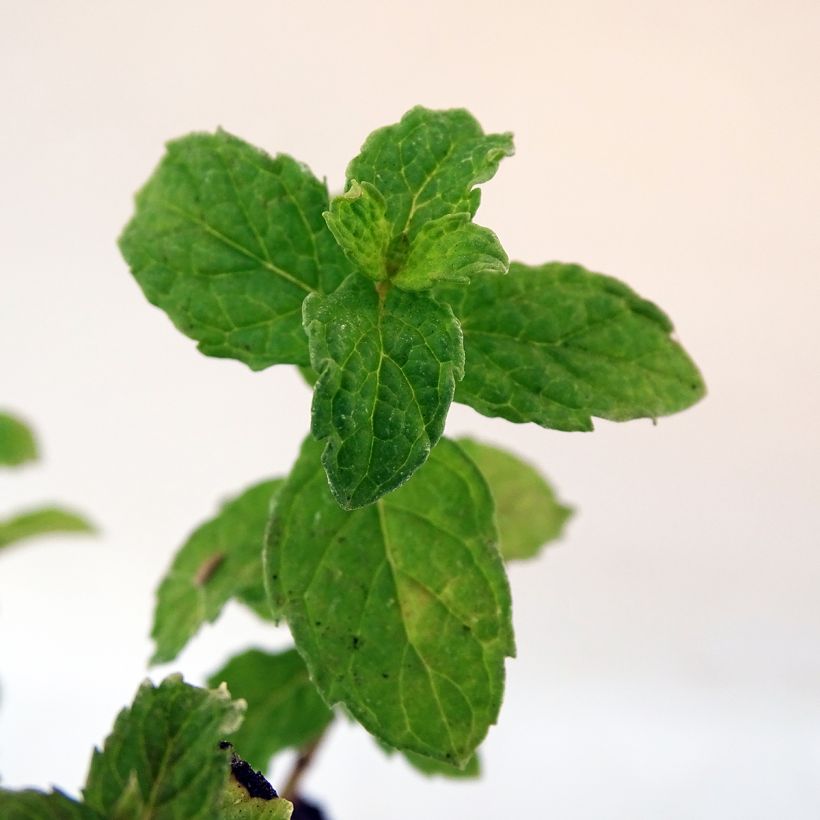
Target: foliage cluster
[384,548]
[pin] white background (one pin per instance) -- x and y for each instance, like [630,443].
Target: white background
[669,654]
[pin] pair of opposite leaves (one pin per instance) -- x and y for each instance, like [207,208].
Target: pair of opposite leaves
[398,301]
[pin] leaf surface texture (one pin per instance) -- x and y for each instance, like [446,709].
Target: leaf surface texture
[401,609]
[558,345]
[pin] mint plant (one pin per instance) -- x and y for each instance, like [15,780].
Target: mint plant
[383,551]
[384,548]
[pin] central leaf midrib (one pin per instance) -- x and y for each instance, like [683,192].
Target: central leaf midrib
[372,415]
[634,361]
[383,355]
[414,202]
[170,748]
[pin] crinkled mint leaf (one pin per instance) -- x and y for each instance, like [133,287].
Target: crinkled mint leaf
[387,365]
[41,521]
[284,707]
[34,805]
[357,219]
[17,442]
[167,743]
[228,241]
[453,249]
[450,248]
[406,215]
[557,345]
[401,610]
[427,166]
[221,560]
[527,512]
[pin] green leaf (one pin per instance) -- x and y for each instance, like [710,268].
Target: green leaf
[357,220]
[387,365]
[453,249]
[401,610]
[284,708]
[450,248]
[41,522]
[406,214]
[34,805]
[17,442]
[427,166]
[432,768]
[167,743]
[221,560]
[527,512]
[557,345]
[228,241]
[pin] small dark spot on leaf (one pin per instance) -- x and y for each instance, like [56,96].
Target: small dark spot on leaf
[207,568]
[355,641]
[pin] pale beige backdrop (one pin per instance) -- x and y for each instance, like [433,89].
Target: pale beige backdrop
[670,646]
